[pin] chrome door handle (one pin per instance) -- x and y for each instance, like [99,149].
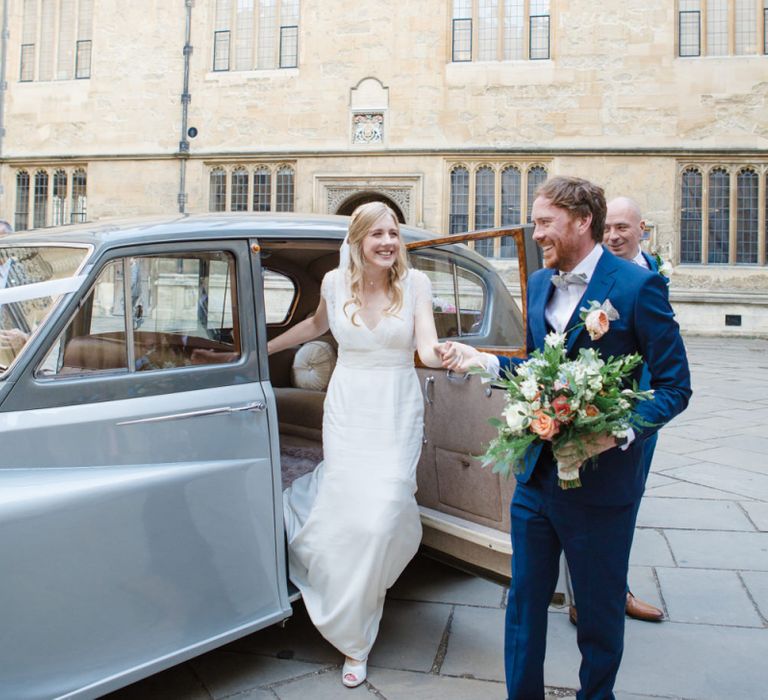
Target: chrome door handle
[457,378]
[429,390]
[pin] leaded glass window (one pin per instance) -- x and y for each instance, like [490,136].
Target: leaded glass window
[59,200]
[21,216]
[500,30]
[262,190]
[511,193]
[218,190]
[536,176]
[485,185]
[689,28]
[40,200]
[255,34]
[56,33]
[284,189]
[458,219]
[239,190]
[691,216]
[79,195]
[719,215]
[747,206]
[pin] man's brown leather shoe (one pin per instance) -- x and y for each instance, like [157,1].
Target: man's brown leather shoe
[640,610]
[573,616]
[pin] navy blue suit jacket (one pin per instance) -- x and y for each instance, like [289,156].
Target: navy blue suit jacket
[646,325]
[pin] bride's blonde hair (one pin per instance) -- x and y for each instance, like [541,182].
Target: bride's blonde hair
[362,221]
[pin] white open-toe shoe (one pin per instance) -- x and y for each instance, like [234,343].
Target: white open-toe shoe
[354,672]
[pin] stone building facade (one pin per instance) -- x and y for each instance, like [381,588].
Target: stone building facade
[451,110]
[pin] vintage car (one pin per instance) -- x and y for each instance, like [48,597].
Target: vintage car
[146,437]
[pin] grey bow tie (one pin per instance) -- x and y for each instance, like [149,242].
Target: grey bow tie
[564,279]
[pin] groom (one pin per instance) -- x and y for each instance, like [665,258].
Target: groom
[593,524]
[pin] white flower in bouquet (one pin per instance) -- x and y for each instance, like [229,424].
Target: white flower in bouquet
[518,416]
[554,339]
[530,389]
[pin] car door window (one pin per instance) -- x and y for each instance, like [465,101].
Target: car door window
[182,312]
[458,296]
[279,296]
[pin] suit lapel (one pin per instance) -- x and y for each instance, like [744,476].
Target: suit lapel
[652,265]
[538,302]
[598,289]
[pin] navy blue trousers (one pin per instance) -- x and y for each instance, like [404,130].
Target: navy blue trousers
[596,541]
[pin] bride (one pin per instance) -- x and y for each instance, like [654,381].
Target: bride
[353,524]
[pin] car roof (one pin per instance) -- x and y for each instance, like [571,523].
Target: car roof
[153,229]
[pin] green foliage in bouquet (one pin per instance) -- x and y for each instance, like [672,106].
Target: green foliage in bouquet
[551,398]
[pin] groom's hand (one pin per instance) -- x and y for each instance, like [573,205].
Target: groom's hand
[574,453]
[459,357]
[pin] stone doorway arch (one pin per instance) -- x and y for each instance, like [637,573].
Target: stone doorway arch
[351,203]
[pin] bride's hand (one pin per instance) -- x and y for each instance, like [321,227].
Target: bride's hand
[459,357]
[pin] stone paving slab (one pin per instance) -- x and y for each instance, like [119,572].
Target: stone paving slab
[663,461]
[226,673]
[398,685]
[691,514]
[731,479]
[706,662]
[655,479]
[649,548]
[757,586]
[706,596]
[678,445]
[685,490]
[752,443]
[410,635]
[758,513]
[324,685]
[720,550]
[733,457]
[477,644]
[177,682]
[432,581]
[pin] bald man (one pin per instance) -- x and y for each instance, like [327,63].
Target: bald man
[624,226]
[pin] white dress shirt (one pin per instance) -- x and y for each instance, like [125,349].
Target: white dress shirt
[563,302]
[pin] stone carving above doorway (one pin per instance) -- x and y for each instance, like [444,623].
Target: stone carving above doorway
[336,194]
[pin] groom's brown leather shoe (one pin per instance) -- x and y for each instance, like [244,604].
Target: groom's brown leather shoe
[640,610]
[635,608]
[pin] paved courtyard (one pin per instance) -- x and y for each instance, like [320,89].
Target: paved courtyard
[700,553]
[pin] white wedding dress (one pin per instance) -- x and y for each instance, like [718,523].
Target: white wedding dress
[353,523]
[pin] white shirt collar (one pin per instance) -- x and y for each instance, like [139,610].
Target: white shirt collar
[587,265]
[639,259]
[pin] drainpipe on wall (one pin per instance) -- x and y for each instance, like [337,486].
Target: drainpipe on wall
[185,100]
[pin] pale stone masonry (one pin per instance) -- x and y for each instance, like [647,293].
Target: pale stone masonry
[377,107]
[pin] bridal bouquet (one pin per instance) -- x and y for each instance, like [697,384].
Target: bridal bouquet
[555,399]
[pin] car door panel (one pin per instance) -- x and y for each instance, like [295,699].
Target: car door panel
[139,526]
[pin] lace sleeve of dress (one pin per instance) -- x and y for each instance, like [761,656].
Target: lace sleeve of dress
[421,288]
[327,288]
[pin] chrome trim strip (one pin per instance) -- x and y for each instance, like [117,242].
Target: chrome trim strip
[254,406]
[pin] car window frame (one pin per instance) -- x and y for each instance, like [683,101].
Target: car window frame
[529,260]
[42,391]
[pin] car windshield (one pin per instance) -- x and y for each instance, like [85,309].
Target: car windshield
[32,280]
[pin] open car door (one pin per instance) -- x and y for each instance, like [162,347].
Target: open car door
[465,507]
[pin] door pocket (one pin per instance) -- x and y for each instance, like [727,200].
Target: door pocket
[463,484]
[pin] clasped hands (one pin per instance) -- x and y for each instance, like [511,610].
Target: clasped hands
[459,357]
